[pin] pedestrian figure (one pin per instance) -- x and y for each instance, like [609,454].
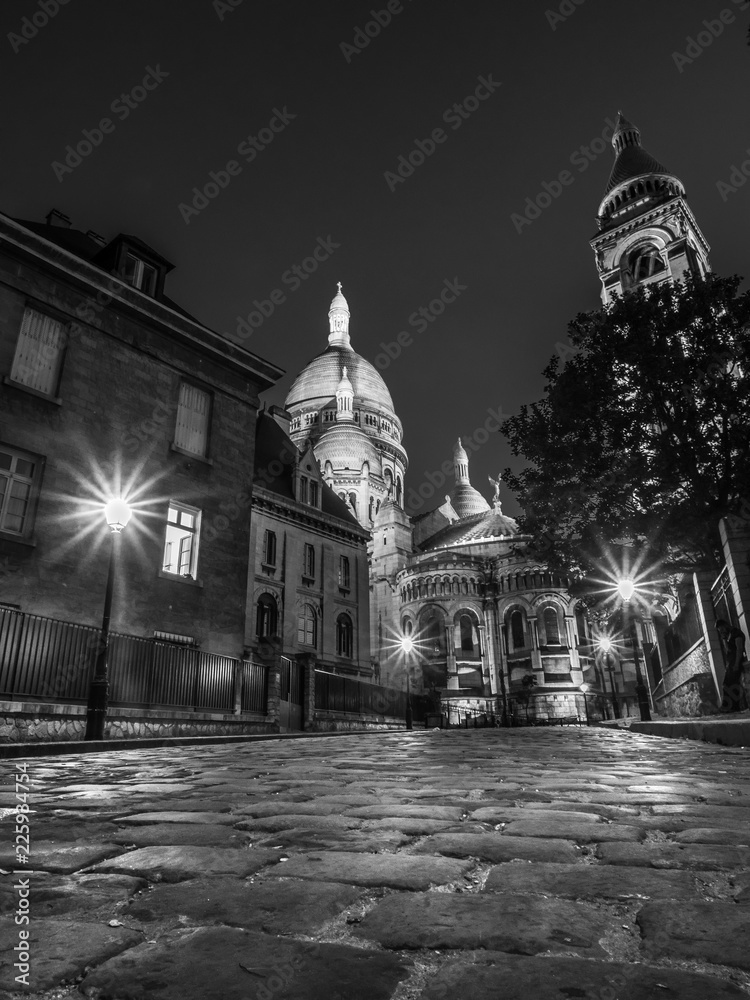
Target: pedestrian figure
[733,639]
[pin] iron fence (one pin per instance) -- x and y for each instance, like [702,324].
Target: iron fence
[43,658]
[334,693]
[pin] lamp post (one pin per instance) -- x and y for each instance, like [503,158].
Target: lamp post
[407,644]
[584,689]
[117,513]
[605,644]
[626,589]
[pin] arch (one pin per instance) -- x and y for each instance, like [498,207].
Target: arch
[352,498]
[432,630]
[371,510]
[407,626]
[307,626]
[388,477]
[517,629]
[344,635]
[551,624]
[399,490]
[266,616]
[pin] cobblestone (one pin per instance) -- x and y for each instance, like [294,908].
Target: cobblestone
[543,864]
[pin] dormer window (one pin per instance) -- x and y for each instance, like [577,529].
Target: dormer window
[139,274]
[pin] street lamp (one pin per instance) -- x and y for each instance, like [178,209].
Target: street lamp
[117,513]
[605,645]
[584,689]
[407,645]
[626,589]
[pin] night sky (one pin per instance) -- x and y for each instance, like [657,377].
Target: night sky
[226,69]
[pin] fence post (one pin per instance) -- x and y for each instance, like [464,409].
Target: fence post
[239,679]
[269,653]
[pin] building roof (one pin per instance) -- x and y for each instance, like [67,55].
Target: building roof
[275,457]
[632,159]
[490,524]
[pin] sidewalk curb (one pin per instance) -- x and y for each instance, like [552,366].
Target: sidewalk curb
[9,751]
[726,732]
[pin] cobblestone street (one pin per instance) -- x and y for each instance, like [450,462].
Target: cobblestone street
[535,864]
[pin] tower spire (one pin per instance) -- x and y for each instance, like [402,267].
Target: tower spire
[625,134]
[338,320]
[460,463]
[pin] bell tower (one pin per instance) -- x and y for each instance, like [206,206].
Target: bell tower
[647,233]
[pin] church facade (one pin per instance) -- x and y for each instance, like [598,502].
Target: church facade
[457,604]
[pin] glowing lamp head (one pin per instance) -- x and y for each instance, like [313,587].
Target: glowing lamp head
[117,513]
[585,688]
[605,644]
[407,643]
[626,589]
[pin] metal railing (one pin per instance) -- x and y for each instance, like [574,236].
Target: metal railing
[43,658]
[334,693]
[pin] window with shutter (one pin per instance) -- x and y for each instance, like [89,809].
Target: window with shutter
[181,541]
[307,626]
[191,428]
[39,353]
[17,473]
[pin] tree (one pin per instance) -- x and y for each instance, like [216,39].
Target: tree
[528,682]
[643,435]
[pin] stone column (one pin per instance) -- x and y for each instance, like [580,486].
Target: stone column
[306,663]
[451,659]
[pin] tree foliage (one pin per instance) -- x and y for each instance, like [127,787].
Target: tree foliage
[643,433]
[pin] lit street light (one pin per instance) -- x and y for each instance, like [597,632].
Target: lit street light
[407,645]
[626,589]
[117,512]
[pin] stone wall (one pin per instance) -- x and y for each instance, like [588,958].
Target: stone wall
[21,723]
[689,688]
[338,722]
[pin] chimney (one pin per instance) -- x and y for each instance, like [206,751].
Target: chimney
[56,218]
[96,238]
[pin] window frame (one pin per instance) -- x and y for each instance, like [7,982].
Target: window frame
[140,270]
[307,624]
[345,635]
[266,617]
[31,309]
[308,562]
[33,482]
[194,532]
[183,448]
[269,548]
[345,577]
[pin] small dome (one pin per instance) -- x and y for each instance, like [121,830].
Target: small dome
[467,501]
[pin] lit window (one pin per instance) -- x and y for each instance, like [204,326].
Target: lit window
[344,576]
[265,617]
[17,472]
[39,353]
[269,548]
[307,626]
[191,428]
[139,274]
[181,545]
[308,569]
[344,636]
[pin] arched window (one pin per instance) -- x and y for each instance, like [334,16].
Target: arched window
[307,626]
[388,476]
[344,636]
[353,502]
[266,617]
[466,627]
[407,626]
[551,627]
[399,490]
[372,508]
[646,262]
[517,630]
[432,632]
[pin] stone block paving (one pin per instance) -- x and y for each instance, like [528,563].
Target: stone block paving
[534,864]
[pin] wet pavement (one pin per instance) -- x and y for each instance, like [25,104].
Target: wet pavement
[534,863]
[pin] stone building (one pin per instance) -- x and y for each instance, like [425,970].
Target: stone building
[310,572]
[109,388]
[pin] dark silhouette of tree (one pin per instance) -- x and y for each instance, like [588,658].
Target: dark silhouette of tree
[643,434]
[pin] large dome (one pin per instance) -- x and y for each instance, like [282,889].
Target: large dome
[320,379]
